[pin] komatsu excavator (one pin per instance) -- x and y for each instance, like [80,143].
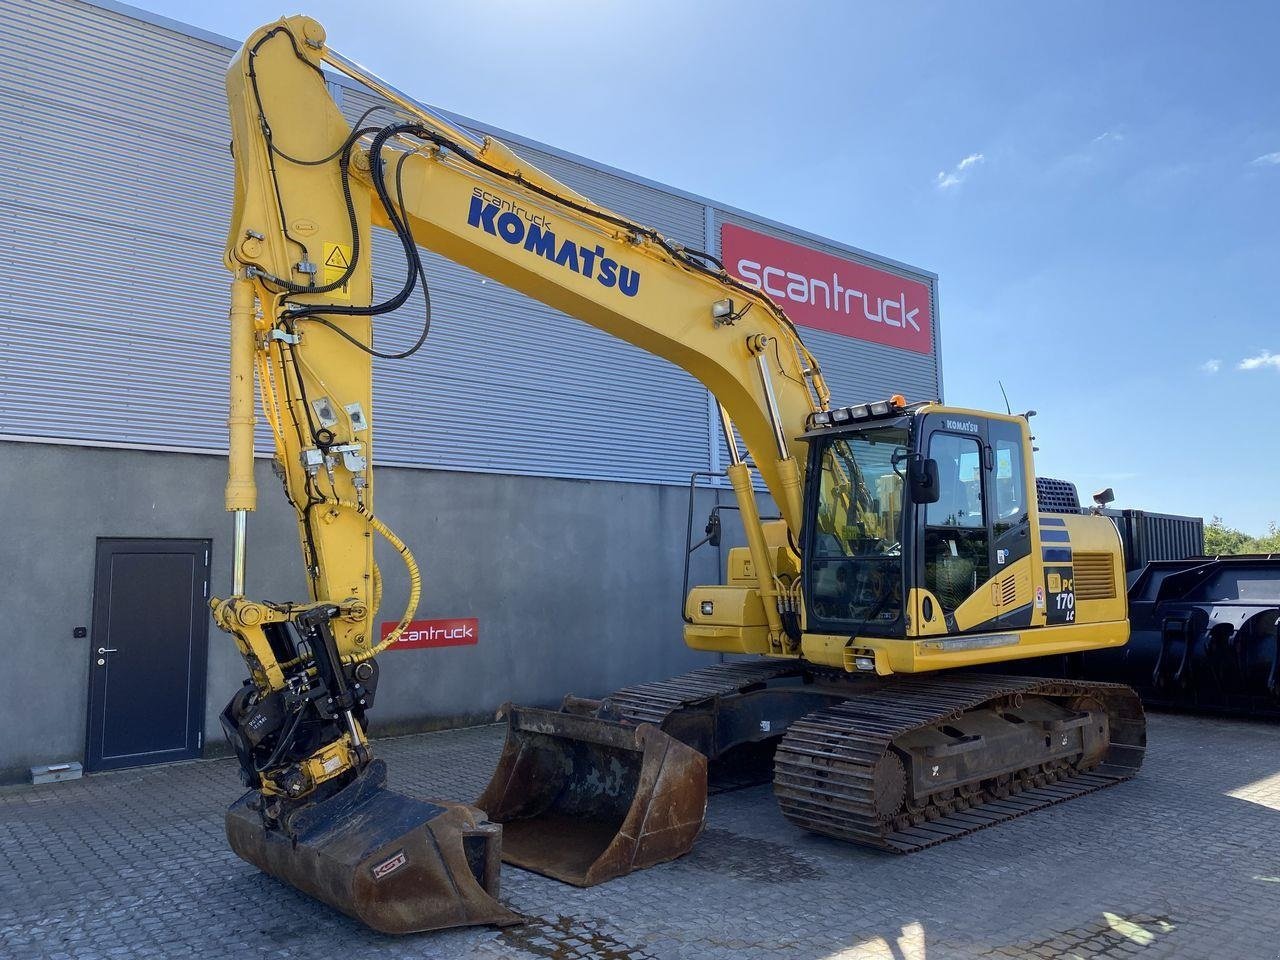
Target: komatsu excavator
[911,542]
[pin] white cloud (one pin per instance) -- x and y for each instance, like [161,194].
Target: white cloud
[946,179]
[1109,136]
[1272,159]
[1211,366]
[1265,359]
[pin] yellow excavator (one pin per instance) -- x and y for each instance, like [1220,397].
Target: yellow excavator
[912,546]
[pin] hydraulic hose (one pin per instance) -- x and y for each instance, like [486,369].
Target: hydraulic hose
[415,583]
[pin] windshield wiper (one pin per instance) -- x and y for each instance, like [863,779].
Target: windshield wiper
[881,600]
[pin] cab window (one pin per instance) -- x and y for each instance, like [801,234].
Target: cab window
[960,482]
[1010,494]
[956,545]
[855,562]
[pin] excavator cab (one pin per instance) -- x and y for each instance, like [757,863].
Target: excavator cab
[925,517]
[930,528]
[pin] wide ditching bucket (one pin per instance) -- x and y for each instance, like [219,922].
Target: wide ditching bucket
[397,864]
[585,800]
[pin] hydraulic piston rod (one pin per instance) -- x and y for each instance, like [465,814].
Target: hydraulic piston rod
[241,491]
[744,491]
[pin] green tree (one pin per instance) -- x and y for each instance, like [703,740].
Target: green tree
[1221,540]
[1271,542]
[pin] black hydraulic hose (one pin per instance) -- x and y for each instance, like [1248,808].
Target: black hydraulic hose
[635,228]
[288,286]
[378,176]
[703,255]
[399,218]
[357,133]
[284,741]
[266,127]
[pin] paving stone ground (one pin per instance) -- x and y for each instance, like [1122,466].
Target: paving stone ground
[1182,862]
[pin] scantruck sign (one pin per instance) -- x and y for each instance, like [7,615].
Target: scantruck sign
[830,293]
[458,632]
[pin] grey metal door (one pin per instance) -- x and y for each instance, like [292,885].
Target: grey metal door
[147,652]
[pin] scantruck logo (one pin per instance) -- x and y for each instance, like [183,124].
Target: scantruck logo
[829,293]
[459,632]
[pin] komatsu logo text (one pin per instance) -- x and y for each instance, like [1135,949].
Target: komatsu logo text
[501,218]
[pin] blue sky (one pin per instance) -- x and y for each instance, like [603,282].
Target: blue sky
[1096,184]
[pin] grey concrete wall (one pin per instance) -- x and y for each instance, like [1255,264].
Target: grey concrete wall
[576,583]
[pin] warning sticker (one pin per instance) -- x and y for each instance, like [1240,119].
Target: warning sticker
[337,258]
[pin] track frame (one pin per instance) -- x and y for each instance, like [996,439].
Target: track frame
[861,759]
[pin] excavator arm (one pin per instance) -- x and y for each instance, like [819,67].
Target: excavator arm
[309,189]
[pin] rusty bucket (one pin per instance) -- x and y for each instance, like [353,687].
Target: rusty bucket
[585,800]
[397,864]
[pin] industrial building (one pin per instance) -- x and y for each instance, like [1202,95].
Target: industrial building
[538,468]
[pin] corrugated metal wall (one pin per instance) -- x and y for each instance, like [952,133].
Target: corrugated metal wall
[115,193]
[114,188]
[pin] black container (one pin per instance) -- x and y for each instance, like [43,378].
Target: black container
[1157,536]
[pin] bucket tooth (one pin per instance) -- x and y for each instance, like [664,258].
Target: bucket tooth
[585,800]
[397,864]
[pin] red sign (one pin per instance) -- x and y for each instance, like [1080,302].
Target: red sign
[434,633]
[830,293]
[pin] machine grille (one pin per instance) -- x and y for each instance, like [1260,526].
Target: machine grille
[1057,496]
[1095,576]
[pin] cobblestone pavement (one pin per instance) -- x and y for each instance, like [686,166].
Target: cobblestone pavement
[1182,862]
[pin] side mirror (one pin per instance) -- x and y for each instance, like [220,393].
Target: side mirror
[1101,499]
[713,530]
[922,480]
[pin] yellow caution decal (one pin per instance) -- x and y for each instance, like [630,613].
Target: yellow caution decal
[337,258]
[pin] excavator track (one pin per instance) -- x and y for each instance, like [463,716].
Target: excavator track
[840,771]
[657,700]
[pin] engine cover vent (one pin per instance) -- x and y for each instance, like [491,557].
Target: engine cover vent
[1095,576]
[1057,496]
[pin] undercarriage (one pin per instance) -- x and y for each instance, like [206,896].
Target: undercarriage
[898,764]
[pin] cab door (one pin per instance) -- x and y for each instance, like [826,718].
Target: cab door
[954,533]
[1008,507]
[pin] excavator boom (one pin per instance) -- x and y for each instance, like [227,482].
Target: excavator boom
[309,189]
